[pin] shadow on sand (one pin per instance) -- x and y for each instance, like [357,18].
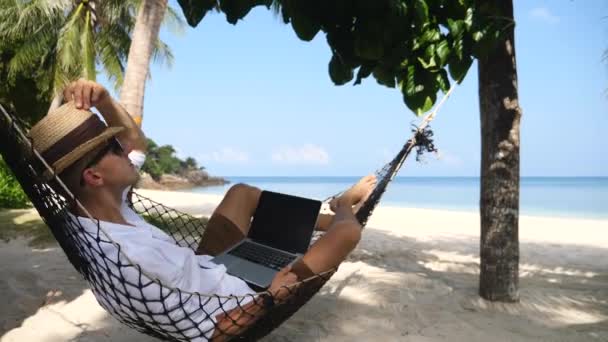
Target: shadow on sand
[406,288]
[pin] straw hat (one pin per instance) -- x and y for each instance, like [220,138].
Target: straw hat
[67,134]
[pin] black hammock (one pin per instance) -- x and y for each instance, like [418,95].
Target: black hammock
[124,289]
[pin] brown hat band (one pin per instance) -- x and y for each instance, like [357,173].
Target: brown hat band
[89,129]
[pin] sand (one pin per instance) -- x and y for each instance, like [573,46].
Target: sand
[414,277]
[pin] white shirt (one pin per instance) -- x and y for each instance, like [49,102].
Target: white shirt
[161,259]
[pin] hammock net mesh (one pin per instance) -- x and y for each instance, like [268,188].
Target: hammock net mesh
[126,291]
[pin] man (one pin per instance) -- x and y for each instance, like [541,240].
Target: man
[99,164]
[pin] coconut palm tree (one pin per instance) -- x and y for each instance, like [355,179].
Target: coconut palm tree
[69,39]
[145,47]
[145,38]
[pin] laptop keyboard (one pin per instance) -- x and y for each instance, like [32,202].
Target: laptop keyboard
[263,255]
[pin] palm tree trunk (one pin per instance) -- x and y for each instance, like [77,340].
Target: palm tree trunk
[499,201]
[145,35]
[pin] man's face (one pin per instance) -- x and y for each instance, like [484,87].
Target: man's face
[113,165]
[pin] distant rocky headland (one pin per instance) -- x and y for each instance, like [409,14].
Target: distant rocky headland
[187,180]
[164,170]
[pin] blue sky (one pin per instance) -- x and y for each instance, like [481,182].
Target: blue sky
[253,100]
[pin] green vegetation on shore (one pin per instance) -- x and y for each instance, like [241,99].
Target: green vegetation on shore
[162,160]
[11,194]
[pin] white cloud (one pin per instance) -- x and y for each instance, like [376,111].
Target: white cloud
[543,14]
[225,155]
[306,154]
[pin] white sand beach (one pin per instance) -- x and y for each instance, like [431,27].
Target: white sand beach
[414,277]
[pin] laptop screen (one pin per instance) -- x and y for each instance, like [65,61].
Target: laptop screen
[284,222]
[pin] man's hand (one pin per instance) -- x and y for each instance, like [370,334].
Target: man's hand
[281,280]
[86,94]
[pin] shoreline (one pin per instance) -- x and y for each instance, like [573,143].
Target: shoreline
[389,204]
[425,223]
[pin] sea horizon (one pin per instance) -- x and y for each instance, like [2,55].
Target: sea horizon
[562,196]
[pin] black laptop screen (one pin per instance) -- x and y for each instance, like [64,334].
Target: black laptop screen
[285,222]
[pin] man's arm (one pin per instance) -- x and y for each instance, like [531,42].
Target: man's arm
[115,115]
[240,319]
[87,94]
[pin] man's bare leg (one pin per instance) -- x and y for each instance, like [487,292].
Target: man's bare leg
[241,200]
[239,204]
[344,231]
[328,252]
[231,219]
[325,220]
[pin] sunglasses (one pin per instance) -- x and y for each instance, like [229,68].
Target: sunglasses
[113,146]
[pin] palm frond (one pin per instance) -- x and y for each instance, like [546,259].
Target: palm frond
[162,54]
[112,55]
[88,49]
[19,20]
[276,7]
[50,7]
[117,13]
[69,42]
[174,21]
[53,38]
[119,38]
[61,77]
[30,54]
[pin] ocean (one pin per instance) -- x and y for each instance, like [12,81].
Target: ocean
[580,197]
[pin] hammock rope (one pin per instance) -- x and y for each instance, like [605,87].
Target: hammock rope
[131,294]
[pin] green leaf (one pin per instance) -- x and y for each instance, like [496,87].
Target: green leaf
[369,48]
[340,74]
[408,84]
[456,27]
[422,10]
[458,47]
[364,72]
[384,76]
[69,47]
[443,52]
[305,27]
[427,65]
[236,9]
[430,35]
[468,20]
[459,68]
[88,46]
[420,103]
[443,80]
[369,39]
[419,90]
[195,10]
[438,38]
[428,62]
[478,35]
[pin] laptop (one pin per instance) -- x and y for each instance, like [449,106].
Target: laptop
[280,234]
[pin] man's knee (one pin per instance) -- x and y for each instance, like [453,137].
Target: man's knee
[243,190]
[348,232]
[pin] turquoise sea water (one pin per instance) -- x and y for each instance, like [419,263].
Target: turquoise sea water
[585,197]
